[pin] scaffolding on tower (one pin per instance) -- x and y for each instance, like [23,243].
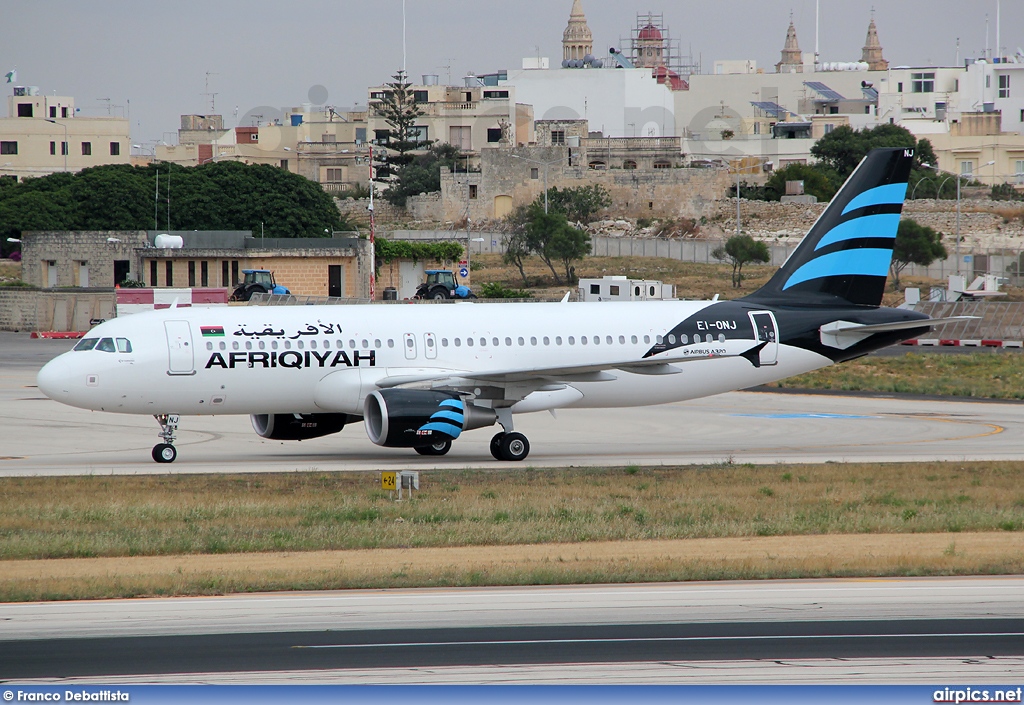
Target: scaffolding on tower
[651,45]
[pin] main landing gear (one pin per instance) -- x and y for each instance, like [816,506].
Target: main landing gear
[508,445]
[439,448]
[166,452]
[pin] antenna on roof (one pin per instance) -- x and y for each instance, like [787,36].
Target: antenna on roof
[213,96]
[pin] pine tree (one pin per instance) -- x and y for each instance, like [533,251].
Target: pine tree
[399,110]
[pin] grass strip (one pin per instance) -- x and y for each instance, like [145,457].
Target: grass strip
[68,517]
[116,536]
[546,564]
[988,375]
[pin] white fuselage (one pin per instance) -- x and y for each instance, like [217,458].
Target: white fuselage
[310,359]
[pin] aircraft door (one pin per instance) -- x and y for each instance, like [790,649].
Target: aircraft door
[181,358]
[410,346]
[429,346]
[766,331]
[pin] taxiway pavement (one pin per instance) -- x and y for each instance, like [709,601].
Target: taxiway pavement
[43,437]
[798,631]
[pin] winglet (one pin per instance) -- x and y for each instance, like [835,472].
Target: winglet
[753,355]
[566,297]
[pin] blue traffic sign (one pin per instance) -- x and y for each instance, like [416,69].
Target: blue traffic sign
[463,272]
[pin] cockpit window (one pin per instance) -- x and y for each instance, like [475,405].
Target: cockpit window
[87,344]
[106,345]
[124,345]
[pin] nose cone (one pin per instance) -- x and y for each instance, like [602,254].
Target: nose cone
[54,380]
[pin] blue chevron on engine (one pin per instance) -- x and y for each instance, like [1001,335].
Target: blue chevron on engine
[889,194]
[453,416]
[866,226]
[872,262]
[448,419]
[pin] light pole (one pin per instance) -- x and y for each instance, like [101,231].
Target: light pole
[545,165]
[939,190]
[66,146]
[914,190]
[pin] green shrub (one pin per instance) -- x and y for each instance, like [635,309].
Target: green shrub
[494,290]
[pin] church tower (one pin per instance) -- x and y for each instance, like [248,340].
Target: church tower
[792,59]
[577,40]
[872,54]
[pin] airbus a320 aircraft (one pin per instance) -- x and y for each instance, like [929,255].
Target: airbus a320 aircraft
[419,376]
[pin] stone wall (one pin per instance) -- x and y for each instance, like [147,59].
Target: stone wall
[99,249]
[983,224]
[24,309]
[308,274]
[425,206]
[355,209]
[635,193]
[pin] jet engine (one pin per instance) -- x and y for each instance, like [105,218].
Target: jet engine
[409,418]
[297,427]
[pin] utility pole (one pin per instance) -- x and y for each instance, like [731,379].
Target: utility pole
[373,243]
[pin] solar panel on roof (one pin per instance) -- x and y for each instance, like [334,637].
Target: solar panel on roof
[870,93]
[771,108]
[823,90]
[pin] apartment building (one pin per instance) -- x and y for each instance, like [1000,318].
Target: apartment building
[43,134]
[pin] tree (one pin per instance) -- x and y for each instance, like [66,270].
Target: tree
[214,196]
[422,174]
[819,181]
[843,148]
[518,241]
[739,250]
[398,108]
[550,236]
[578,203]
[567,245]
[915,244]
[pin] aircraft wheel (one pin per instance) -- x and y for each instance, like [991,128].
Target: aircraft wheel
[436,449]
[164,453]
[496,445]
[514,446]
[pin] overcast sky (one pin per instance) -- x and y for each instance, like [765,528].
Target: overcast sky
[156,53]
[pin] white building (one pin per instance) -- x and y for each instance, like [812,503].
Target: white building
[616,102]
[44,134]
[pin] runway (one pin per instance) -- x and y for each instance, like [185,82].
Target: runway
[698,632]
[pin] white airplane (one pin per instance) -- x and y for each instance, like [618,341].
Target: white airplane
[419,376]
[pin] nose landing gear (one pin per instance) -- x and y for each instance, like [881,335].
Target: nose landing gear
[166,452]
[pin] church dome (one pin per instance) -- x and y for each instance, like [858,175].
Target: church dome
[650,33]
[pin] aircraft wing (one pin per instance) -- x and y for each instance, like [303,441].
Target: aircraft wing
[660,364]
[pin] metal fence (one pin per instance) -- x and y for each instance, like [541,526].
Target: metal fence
[974,261]
[994,320]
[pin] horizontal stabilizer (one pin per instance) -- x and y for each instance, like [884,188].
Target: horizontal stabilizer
[844,334]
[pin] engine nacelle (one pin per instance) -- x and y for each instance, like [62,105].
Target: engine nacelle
[406,418]
[297,427]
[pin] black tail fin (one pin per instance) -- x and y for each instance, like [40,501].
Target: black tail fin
[844,258]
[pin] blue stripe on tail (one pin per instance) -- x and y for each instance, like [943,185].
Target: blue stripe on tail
[890,194]
[864,262]
[866,226]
